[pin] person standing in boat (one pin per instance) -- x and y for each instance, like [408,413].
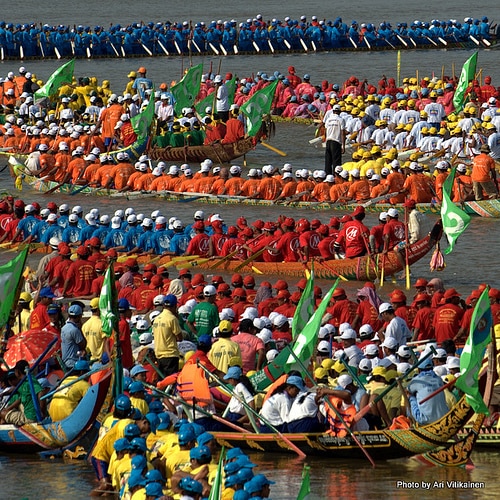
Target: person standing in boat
[335,133]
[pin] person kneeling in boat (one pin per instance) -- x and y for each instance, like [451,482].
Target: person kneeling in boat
[304,416]
[421,386]
[67,399]
[276,408]
[343,397]
[354,236]
[243,391]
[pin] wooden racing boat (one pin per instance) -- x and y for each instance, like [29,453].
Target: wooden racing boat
[382,445]
[217,152]
[38,437]
[360,268]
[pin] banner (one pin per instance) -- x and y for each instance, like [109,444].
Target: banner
[305,342]
[473,352]
[10,274]
[141,123]
[305,307]
[467,74]
[61,76]
[455,220]
[187,89]
[257,106]
[108,304]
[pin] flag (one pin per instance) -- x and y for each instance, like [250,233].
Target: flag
[62,75]
[472,355]
[305,307]
[455,220]
[10,275]
[187,89]
[142,122]
[257,106]
[108,304]
[303,346]
[217,485]
[466,75]
[305,487]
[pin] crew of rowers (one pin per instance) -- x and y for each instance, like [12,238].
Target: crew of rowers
[235,329]
[284,240]
[254,35]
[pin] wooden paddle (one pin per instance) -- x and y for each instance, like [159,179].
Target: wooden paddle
[272,148]
[407,257]
[225,259]
[250,259]
[266,422]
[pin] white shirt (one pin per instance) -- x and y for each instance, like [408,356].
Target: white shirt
[398,329]
[242,393]
[304,405]
[222,98]
[334,126]
[276,409]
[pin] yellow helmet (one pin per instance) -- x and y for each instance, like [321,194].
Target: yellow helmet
[25,297]
[433,131]
[486,119]
[375,149]
[355,111]
[442,131]
[370,98]
[452,117]
[411,103]
[433,94]
[423,114]
[386,100]
[400,126]
[424,131]
[348,109]
[402,103]
[105,83]
[367,155]
[132,74]
[408,127]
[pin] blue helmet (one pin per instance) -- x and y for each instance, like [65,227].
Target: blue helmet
[122,403]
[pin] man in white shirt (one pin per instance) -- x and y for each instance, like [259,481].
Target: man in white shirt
[335,131]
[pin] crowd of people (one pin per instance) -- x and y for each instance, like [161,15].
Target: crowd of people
[65,230]
[234,328]
[70,140]
[230,37]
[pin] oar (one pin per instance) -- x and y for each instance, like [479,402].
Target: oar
[407,256]
[272,148]
[79,190]
[379,198]
[431,40]
[332,406]
[250,259]
[382,271]
[451,383]
[289,443]
[324,263]
[56,187]
[225,259]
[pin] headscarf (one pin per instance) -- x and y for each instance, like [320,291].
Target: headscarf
[176,288]
[371,295]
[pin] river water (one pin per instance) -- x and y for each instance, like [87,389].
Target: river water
[472,262]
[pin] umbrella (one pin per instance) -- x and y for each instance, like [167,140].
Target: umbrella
[30,345]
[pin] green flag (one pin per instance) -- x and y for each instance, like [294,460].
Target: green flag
[187,89]
[108,303]
[217,485]
[473,352]
[62,75]
[305,307]
[257,106]
[466,75]
[303,346]
[142,122]
[10,275]
[455,220]
[305,487]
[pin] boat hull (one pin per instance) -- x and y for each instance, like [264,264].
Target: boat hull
[217,152]
[381,445]
[37,437]
[361,268]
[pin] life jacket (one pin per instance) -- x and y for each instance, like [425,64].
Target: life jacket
[400,422]
[346,411]
[192,386]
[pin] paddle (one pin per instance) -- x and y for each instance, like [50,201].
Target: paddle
[225,259]
[272,148]
[332,406]
[382,271]
[291,445]
[379,198]
[250,259]
[79,190]
[324,263]
[407,257]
